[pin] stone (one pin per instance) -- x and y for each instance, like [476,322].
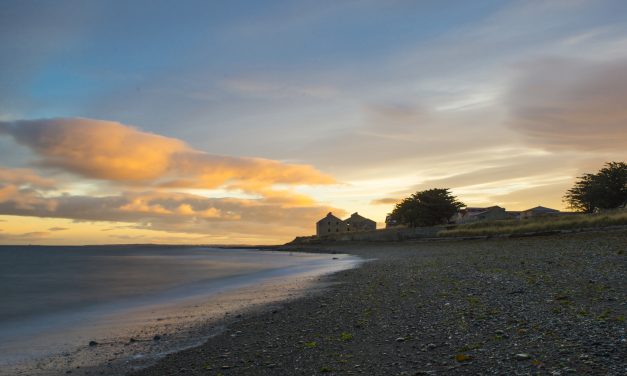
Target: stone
[93,343]
[522,356]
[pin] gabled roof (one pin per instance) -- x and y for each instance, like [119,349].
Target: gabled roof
[541,208]
[358,218]
[329,216]
[478,211]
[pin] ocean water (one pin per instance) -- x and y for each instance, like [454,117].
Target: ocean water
[53,299]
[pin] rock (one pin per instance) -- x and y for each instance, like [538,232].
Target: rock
[156,338]
[431,346]
[522,356]
[132,340]
[400,339]
[462,357]
[93,343]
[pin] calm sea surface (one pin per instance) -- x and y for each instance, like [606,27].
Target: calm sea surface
[43,289]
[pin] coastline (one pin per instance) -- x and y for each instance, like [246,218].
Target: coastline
[539,305]
[132,338]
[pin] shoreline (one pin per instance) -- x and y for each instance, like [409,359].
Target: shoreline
[136,338]
[539,305]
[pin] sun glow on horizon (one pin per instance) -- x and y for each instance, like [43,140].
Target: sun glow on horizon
[154,134]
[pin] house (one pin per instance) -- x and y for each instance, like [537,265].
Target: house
[538,211]
[391,222]
[330,225]
[358,223]
[513,214]
[469,215]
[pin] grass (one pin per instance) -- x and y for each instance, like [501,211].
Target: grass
[541,224]
[346,336]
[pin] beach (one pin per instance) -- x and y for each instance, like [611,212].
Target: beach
[111,309]
[530,305]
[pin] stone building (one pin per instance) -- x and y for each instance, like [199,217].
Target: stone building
[358,223]
[538,211]
[469,215]
[330,225]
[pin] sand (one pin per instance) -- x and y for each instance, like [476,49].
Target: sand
[137,338]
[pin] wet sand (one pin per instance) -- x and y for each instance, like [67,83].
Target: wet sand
[137,338]
[541,305]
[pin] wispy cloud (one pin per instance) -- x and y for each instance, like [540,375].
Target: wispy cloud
[571,104]
[58,229]
[385,201]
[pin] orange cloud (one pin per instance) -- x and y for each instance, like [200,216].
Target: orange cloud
[24,177]
[157,166]
[175,212]
[116,152]
[23,187]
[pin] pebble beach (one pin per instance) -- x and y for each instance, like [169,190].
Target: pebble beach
[546,305]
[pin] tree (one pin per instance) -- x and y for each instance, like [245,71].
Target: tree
[607,189]
[427,208]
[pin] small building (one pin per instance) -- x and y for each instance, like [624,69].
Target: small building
[358,223]
[469,215]
[538,211]
[391,222]
[513,214]
[330,225]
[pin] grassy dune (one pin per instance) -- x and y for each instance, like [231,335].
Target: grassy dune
[542,224]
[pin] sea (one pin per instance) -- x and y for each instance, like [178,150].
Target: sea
[83,308]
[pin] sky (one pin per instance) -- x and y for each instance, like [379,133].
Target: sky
[244,122]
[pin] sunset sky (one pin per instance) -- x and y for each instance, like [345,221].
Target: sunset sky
[237,122]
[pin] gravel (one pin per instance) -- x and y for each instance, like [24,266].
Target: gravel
[551,305]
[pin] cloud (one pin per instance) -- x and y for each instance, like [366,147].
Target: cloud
[385,201]
[33,235]
[116,152]
[565,104]
[151,171]
[395,137]
[58,229]
[24,188]
[176,212]
[25,178]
